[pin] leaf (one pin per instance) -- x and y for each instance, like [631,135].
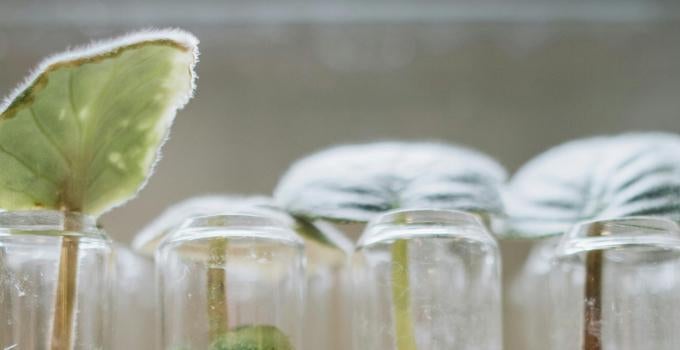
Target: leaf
[355,182]
[149,238]
[597,178]
[253,338]
[84,131]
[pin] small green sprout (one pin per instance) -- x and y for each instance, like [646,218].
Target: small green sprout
[252,338]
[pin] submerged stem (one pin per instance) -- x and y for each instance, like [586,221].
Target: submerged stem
[64,303]
[218,310]
[592,328]
[401,297]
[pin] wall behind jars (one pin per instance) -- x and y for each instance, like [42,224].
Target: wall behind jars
[510,78]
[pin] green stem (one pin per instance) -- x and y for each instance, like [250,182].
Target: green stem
[64,303]
[218,308]
[592,328]
[401,297]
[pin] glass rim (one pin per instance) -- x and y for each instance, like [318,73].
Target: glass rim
[233,225]
[49,222]
[401,223]
[632,231]
[425,216]
[231,219]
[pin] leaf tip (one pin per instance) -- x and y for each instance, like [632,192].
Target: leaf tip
[178,48]
[176,36]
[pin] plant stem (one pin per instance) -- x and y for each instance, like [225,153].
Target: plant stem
[592,313]
[64,303]
[218,309]
[401,297]
[592,327]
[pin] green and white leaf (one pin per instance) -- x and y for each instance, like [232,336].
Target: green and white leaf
[636,174]
[150,237]
[253,338]
[84,131]
[356,182]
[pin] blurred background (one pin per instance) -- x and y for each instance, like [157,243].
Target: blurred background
[282,79]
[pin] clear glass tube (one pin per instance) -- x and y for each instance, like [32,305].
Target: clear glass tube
[327,291]
[615,285]
[427,280]
[55,282]
[530,300]
[135,321]
[231,279]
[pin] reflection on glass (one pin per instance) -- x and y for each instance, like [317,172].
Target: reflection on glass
[427,280]
[43,306]
[615,284]
[135,310]
[327,291]
[530,298]
[231,279]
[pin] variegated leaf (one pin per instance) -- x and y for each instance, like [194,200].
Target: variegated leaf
[84,131]
[636,174]
[355,182]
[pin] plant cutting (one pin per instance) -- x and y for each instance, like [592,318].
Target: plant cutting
[356,183]
[150,236]
[596,180]
[82,135]
[256,299]
[325,248]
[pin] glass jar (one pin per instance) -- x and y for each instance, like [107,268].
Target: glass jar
[231,279]
[135,319]
[427,280]
[615,285]
[530,300]
[328,289]
[55,281]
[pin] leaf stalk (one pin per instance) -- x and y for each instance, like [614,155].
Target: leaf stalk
[218,308]
[64,302]
[401,298]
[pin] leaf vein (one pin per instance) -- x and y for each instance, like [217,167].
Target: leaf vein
[49,138]
[71,100]
[27,166]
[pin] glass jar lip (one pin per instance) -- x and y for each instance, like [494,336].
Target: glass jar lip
[423,216]
[52,222]
[233,225]
[599,234]
[405,223]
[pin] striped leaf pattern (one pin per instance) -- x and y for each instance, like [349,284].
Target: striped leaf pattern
[635,174]
[356,182]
